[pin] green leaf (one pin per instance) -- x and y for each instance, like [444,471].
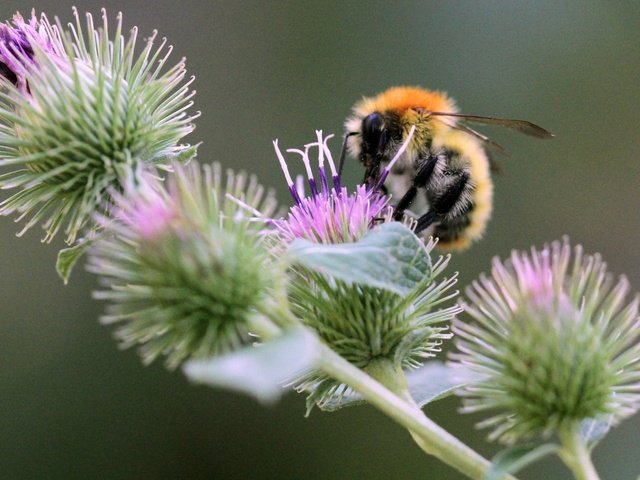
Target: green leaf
[434,381]
[327,398]
[594,429]
[513,459]
[68,257]
[390,257]
[260,371]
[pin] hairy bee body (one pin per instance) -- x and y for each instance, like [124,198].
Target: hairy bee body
[448,168]
[467,220]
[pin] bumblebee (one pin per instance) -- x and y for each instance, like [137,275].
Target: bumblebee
[444,170]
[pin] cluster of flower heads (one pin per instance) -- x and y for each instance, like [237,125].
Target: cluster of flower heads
[78,111]
[330,214]
[553,344]
[85,121]
[186,265]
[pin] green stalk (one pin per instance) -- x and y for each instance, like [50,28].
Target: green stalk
[397,404]
[394,379]
[576,455]
[388,391]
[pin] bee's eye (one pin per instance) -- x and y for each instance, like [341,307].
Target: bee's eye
[373,129]
[372,125]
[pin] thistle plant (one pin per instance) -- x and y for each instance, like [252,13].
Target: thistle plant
[79,110]
[382,330]
[182,265]
[333,297]
[554,346]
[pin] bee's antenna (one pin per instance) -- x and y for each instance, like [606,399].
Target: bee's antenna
[343,153]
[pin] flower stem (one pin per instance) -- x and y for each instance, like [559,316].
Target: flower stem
[576,455]
[432,438]
[396,404]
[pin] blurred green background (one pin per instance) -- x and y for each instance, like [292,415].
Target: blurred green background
[73,406]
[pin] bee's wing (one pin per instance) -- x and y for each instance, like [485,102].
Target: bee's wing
[522,126]
[483,138]
[493,146]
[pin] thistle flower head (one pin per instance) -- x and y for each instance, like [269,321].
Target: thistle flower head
[330,214]
[184,268]
[144,207]
[553,343]
[366,325]
[88,108]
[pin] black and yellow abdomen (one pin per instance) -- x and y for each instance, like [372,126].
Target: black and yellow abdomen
[467,218]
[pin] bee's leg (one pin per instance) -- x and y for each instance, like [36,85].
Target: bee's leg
[445,201]
[343,152]
[372,172]
[420,180]
[426,220]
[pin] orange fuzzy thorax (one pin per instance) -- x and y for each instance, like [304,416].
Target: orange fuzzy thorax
[404,102]
[403,98]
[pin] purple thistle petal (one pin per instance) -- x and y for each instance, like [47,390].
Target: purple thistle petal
[330,215]
[143,207]
[294,194]
[313,187]
[307,166]
[287,176]
[336,184]
[323,180]
[335,177]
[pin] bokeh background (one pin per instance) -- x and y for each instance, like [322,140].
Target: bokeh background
[73,406]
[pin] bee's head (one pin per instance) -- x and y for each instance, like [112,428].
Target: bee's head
[374,137]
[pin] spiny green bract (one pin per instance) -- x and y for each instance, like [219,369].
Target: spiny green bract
[185,270]
[553,344]
[366,324]
[94,109]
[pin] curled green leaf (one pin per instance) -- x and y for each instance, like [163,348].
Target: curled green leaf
[594,429]
[435,381]
[260,371]
[390,257]
[513,459]
[68,257]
